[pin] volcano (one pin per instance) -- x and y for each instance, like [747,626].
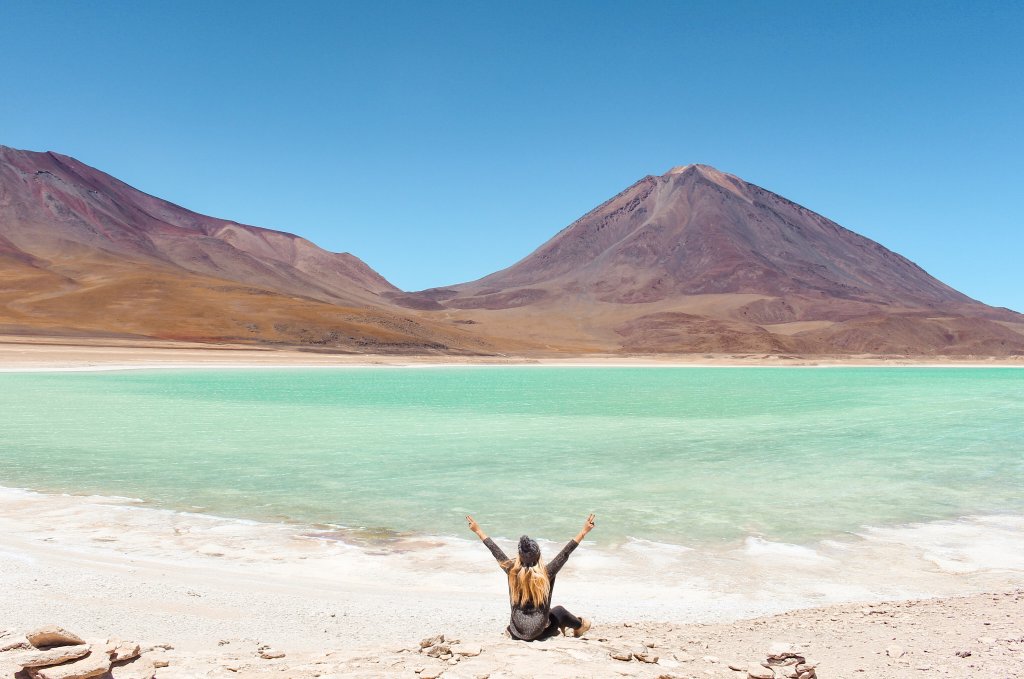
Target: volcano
[698,260]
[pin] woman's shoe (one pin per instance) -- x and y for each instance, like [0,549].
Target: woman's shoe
[583,629]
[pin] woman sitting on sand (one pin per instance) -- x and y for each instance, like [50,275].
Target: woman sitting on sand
[530,582]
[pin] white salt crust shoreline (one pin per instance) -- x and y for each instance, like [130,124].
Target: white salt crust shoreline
[109,567]
[727,581]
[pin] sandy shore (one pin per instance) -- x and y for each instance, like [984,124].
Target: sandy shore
[57,353]
[222,591]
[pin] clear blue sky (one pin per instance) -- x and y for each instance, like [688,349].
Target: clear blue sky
[443,141]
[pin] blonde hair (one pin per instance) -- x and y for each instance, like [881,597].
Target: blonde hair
[527,584]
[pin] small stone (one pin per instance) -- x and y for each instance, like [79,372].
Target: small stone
[432,673]
[923,668]
[120,651]
[52,635]
[895,652]
[683,656]
[710,659]
[454,660]
[469,650]
[963,654]
[158,658]
[53,656]
[649,643]
[621,654]
[271,654]
[779,649]
[438,650]
[163,647]
[92,665]
[431,641]
[13,644]
[737,667]
[755,671]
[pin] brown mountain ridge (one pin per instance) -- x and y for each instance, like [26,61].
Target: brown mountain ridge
[84,254]
[695,260]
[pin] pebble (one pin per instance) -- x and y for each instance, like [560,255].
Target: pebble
[895,652]
[53,656]
[92,665]
[51,635]
[271,654]
[431,641]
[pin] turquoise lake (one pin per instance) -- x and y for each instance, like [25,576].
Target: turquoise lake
[689,456]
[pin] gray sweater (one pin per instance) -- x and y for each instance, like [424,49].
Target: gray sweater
[529,622]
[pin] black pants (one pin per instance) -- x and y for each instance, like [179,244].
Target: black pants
[558,617]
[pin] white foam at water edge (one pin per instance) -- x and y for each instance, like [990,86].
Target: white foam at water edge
[759,548]
[636,579]
[971,544]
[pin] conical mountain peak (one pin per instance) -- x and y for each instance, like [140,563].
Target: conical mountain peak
[699,259]
[696,167]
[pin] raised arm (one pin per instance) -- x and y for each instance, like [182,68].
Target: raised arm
[489,543]
[588,526]
[556,564]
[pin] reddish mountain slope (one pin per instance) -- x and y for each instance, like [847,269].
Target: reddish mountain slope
[84,253]
[700,260]
[52,203]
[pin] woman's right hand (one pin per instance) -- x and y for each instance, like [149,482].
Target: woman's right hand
[473,525]
[588,526]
